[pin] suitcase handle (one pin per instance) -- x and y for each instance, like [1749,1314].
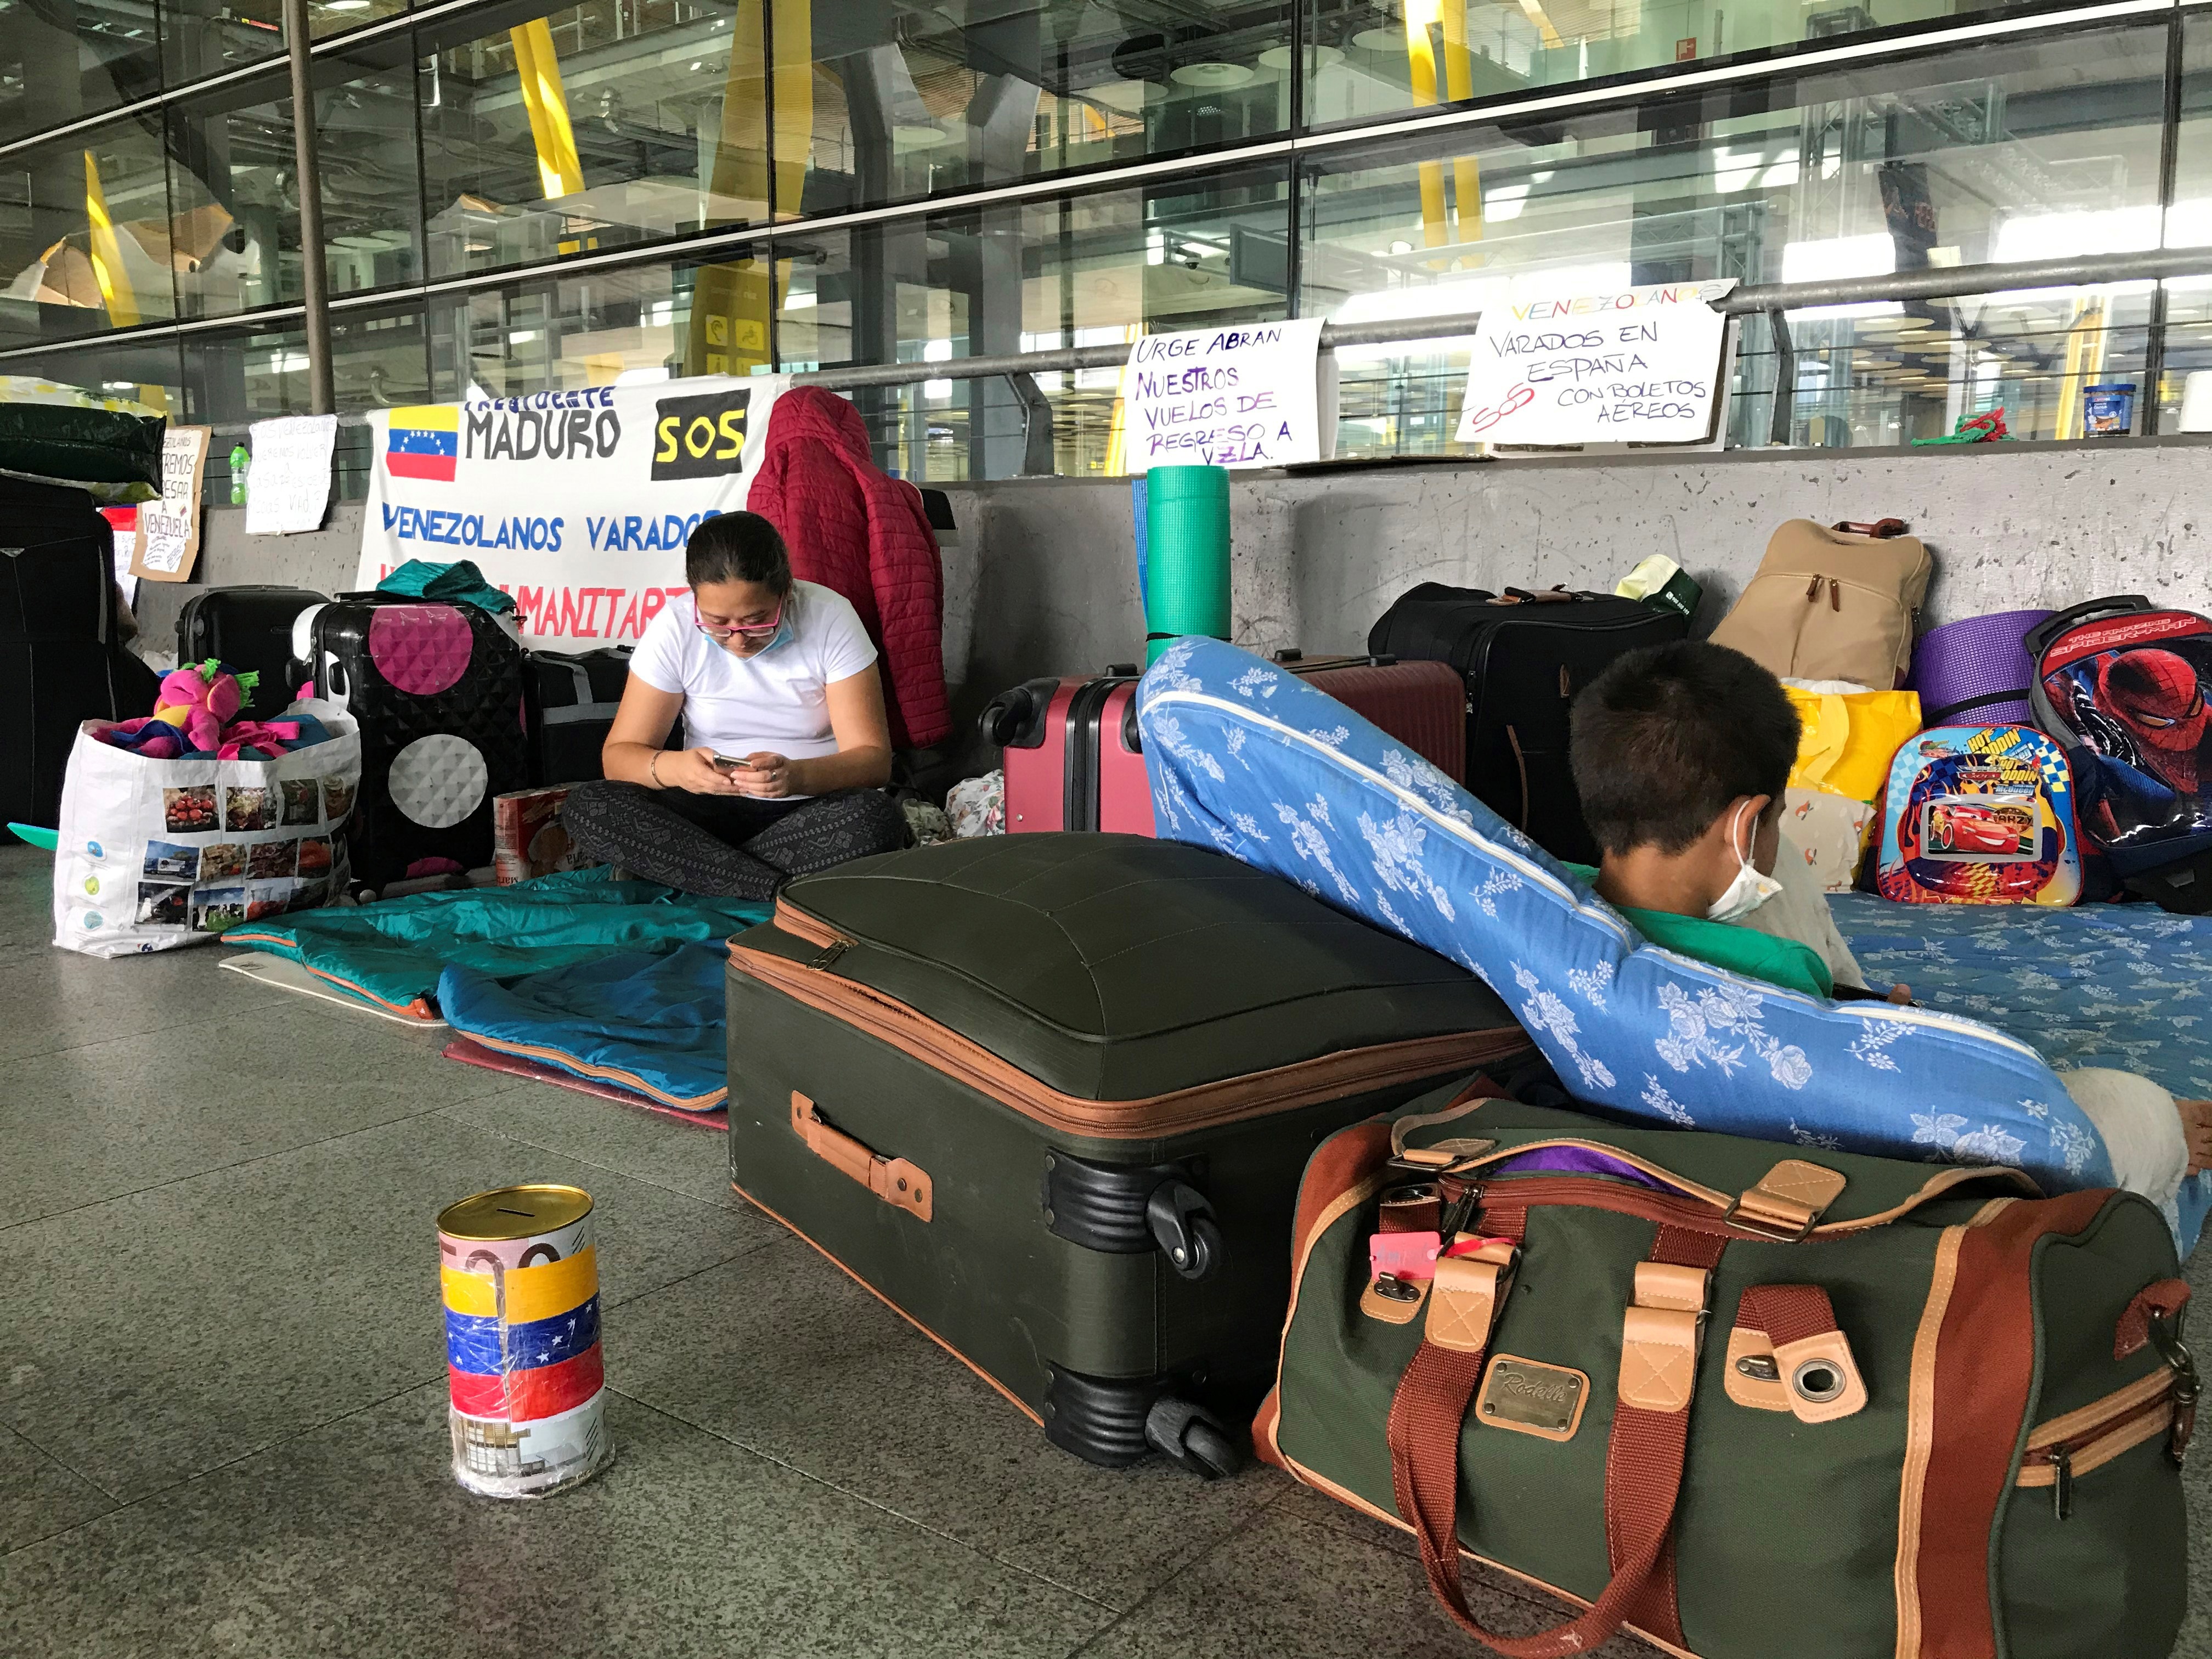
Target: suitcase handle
[1880,529]
[893,1180]
[2039,638]
[1648,1447]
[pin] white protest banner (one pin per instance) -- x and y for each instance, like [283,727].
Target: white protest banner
[1583,363]
[1242,396]
[289,484]
[168,539]
[578,503]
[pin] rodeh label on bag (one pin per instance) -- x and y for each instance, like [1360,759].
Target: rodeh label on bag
[1558,362]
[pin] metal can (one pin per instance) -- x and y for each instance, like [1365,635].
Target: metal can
[519,1278]
[2108,411]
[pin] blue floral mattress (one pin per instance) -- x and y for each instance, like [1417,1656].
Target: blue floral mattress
[1246,758]
[2118,985]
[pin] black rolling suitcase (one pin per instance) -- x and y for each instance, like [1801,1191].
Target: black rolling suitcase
[250,628]
[1050,1096]
[573,699]
[62,659]
[1523,654]
[438,691]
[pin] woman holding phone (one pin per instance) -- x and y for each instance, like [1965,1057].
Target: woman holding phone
[776,683]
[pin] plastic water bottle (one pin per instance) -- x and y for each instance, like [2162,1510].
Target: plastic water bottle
[242,460]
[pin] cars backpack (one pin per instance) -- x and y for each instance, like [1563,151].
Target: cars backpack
[2120,684]
[1978,814]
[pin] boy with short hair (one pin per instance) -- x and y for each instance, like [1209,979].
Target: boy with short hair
[1682,753]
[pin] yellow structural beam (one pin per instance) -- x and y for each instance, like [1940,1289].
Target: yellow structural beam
[115,290]
[727,333]
[558,168]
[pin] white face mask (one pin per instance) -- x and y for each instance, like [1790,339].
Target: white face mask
[1749,890]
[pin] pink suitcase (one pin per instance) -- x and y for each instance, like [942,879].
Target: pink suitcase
[1073,760]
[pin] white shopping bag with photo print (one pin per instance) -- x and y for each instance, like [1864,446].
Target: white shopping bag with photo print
[156,853]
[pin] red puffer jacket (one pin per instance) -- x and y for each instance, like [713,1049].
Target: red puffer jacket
[853,527]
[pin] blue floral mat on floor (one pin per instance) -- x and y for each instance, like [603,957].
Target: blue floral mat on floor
[2119,985]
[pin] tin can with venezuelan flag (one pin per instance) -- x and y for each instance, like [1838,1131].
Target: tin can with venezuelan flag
[520,1281]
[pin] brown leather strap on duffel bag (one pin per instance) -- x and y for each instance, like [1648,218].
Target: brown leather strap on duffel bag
[1645,1458]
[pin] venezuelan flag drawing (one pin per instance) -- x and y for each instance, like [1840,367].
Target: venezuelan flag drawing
[424,443]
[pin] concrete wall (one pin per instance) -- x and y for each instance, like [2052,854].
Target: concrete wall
[1043,578]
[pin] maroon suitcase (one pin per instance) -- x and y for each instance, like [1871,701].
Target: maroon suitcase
[1073,762]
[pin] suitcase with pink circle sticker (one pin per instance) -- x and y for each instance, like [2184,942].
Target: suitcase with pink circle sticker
[438,690]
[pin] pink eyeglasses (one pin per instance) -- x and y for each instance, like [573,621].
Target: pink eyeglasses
[744,630]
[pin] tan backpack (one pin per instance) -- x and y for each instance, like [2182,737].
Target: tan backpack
[1833,603]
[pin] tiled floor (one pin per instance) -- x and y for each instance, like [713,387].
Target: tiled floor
[223,1395]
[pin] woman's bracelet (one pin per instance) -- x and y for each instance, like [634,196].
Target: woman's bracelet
[653,770]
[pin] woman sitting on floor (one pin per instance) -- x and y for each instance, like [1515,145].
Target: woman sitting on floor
[777,685]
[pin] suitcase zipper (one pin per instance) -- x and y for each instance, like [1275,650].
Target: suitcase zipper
[2083,1441]
[1330,1077]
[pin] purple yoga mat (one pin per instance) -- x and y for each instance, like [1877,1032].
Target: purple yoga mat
[1975,671]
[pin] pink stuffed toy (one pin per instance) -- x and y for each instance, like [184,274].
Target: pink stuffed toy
[196,702]
[200,698]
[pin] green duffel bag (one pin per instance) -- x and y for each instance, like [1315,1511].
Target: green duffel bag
[1750,1405]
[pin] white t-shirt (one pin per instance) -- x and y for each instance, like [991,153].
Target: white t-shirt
[776,700]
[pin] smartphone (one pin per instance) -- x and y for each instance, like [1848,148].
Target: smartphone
[731,762]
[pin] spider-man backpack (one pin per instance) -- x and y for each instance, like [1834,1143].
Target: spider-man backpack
[2121,685]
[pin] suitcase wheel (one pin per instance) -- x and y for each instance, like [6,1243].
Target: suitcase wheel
[1182,1225]
[1192,1437]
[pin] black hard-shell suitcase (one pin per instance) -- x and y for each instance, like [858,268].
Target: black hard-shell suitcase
[573,699]
[1049,1096]
[438,691]
[250,628]
[1523,654]
[62,659]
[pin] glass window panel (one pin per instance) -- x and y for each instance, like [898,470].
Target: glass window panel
[62,60]
[233,182]
[85,232]
[201,38]
[1369,59]
[642,323]
[891,103]
[612,123]
[1089,269]
[2008,151]
[146,370]
[232,377]
[2189,224]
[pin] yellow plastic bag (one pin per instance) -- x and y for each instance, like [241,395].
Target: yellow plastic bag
[1849,739]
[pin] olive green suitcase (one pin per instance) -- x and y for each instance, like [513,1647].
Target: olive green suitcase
[1751,1401]
[1050,1095]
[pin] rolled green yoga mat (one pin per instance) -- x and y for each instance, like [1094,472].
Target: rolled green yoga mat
[1187,561]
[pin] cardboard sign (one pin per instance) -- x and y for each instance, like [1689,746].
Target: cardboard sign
[1553,365]
[1235,396]
[168,538]
[577,501]
[288,487]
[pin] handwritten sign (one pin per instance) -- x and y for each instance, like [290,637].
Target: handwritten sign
[289,484]
[1635,365]
[1233,397]
[168,538]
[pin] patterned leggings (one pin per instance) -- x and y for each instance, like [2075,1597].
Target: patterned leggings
[727,846]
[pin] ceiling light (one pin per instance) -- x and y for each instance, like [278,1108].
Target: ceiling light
[918,135]
[1278,58]
[1210,74]
[1382,40]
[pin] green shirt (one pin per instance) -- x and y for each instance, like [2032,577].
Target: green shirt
[1745,950]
